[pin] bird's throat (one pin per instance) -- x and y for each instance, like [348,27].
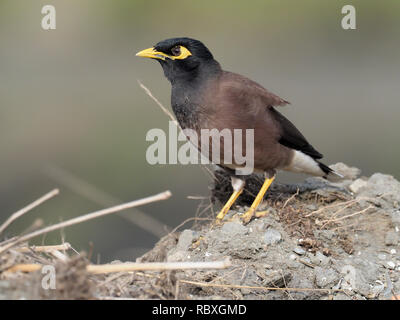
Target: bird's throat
[187,97]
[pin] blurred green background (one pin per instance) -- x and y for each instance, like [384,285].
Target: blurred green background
[71,104]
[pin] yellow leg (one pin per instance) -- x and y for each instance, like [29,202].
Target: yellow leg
[228,205]
[250,213]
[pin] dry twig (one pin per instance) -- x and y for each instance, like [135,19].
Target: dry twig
[131,267]
[28,208]
[161,196]
[164,109]
[345,217]
[64,246]
[291,198]
[85,189]
[157,266]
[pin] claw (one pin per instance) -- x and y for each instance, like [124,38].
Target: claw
[246,217]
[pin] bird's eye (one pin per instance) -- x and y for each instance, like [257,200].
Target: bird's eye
[176,51]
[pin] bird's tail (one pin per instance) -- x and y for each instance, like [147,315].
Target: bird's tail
[330,174]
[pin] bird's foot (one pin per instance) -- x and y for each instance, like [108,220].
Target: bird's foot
[252,211]
[246,217]
[260,214]
[228,206]
[221,215]
[231,218]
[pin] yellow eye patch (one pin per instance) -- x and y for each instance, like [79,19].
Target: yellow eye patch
[154,54]
[184,53]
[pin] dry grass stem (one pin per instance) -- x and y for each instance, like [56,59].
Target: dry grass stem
[59,255]
[28,208]
[347,216]
[64,246]
[291,198]
[161,196]
[157,266]
[131,267]
[93,193]
[188,220]
[346,204]
[26,267]
[164,109]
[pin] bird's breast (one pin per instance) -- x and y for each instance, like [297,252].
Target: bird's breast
[185,104]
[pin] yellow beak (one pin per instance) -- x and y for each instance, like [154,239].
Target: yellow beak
[152,53]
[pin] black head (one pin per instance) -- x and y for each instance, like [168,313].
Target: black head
[182,58]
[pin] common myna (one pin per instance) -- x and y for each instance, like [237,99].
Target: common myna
[206,97]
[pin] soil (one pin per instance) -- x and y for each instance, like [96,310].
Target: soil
[318,240]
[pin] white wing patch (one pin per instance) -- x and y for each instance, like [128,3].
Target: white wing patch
[303,163]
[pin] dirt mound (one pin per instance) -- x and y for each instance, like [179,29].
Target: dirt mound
[318,241]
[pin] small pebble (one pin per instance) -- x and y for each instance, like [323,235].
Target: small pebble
[357,185]
[292,257]
[300,251]
[391,265]
[272,236]
[393,251]
[319,259]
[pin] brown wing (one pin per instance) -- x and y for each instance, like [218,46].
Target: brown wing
[241,86]
[253,97]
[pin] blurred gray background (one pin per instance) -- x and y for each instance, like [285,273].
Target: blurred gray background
[71,104]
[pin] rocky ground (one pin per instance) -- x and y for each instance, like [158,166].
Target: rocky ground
[318,241]
[316,236]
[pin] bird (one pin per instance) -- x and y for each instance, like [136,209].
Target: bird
[204,96]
